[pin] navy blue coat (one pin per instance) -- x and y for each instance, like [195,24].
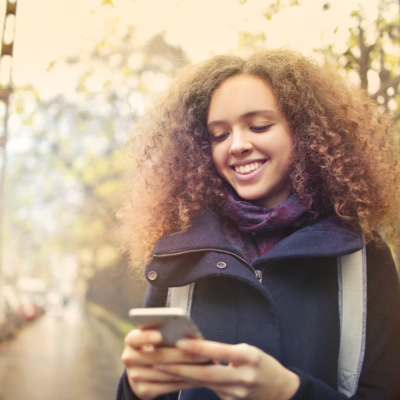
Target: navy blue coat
[293,314]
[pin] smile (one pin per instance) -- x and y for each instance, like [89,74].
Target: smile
[248,168]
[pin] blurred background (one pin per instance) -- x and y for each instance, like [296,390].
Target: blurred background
[75,76]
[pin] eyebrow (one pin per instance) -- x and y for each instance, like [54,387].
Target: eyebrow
[266,113]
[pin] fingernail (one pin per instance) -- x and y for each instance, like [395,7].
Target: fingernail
[148,348]
[155,337]
[183,344]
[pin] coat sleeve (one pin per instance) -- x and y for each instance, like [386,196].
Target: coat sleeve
[155,297]
[379,375]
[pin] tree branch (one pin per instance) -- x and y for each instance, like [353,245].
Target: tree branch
[394,82]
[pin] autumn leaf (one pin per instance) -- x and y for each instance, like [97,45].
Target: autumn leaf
[105,2]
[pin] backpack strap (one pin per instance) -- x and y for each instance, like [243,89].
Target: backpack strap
[181,297]
[352,282]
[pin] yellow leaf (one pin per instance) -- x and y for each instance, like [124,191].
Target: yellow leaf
[268,16]
[110,2]
[354,13]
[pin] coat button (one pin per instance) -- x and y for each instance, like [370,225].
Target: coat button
[221,265]
[152,275]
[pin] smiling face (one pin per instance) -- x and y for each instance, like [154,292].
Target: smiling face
[251,141]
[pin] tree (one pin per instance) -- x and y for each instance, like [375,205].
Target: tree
[66,165]
[372,52]
[372,49]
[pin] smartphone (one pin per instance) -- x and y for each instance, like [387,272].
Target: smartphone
[173,323]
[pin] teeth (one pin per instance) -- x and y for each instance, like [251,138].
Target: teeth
[245,169]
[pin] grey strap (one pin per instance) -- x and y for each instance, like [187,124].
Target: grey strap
[352,280]
[181,297]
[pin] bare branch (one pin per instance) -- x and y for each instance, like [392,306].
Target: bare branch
[394,82]
[364,61]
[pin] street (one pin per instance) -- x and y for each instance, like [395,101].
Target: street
[68,355]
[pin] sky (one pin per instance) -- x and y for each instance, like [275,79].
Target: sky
[49,30]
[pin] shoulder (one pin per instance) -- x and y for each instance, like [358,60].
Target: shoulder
[382,276]
[379,254]
[379,377]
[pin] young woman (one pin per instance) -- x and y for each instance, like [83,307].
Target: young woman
[251,178]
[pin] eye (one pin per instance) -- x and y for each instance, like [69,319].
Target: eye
[219,137]
[260,128]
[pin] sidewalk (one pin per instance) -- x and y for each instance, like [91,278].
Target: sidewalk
[66,357]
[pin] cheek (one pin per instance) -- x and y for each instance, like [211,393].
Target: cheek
[287,147]
[289,150]
[220,163]
[217,159]
[287,153]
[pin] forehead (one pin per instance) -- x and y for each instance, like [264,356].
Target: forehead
[240,95]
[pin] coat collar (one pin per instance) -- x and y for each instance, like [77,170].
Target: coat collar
[317,238]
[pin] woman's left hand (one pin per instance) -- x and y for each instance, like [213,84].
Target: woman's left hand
[250,374]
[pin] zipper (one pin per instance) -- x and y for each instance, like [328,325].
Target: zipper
[257,272]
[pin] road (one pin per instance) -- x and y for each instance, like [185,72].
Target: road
[64,356]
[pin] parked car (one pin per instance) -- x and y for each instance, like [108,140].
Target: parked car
[33,296]
[13,299]
[8,320]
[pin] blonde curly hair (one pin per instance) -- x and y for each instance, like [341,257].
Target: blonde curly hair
[343,161]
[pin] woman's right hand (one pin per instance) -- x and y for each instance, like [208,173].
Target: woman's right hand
[141,354]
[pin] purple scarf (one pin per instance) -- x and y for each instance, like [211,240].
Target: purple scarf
[255,230]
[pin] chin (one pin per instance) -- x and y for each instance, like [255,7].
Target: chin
[249,196]
[264,199]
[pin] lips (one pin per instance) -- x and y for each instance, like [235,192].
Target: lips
[248,167]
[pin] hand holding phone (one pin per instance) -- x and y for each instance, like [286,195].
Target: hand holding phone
[145,380]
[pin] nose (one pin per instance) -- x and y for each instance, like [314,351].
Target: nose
[240,143]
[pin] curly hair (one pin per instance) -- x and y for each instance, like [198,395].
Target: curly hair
[343,161]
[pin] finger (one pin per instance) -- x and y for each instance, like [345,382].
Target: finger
[148,374]
[208,374]
[237,354]
[150,390]
[137,338]
[133,357]
[172,355]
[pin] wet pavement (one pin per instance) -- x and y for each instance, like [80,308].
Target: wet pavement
[67,355]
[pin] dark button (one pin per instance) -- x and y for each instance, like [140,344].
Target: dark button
[152,275]
[221,265]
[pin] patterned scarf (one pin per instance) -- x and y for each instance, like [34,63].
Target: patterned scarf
[255,230]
